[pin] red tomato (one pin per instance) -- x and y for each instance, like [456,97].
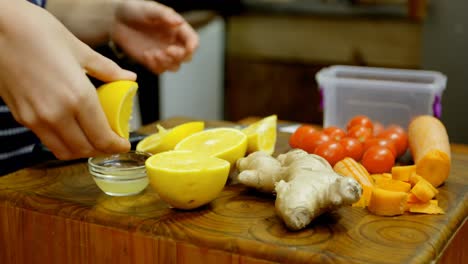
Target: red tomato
[378,128]
[313,140]
[296,138]
[399,139]
[332,151]
[384,142]
[359,132]
[396,128]
[360,120]
[353,148]
[334,132]
[378,159]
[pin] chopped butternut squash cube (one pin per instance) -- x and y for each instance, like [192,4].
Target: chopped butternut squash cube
[387,203]
[413,199]
[377,176]
[393,185]
[424,190]
[403,173]
[414,178]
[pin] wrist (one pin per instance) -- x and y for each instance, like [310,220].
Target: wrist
[90,21]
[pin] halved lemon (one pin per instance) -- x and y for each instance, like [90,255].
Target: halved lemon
[186,179]
[225,143]
[261,135]
[167,139]
[116,99]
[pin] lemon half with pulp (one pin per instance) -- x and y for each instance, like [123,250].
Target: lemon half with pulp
[166,139]
[261,135]
[116,100]
[185,179]
[225,143]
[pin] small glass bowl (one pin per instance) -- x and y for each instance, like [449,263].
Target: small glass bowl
[121,174]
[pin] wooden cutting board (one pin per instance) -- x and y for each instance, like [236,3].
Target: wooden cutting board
[54,213]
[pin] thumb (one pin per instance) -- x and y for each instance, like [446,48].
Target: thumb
[103,68]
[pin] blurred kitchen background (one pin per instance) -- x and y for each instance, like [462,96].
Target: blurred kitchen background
[260,57]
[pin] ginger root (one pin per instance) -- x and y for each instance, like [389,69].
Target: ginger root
[305,184]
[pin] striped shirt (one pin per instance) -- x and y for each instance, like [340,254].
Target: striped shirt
[16,141]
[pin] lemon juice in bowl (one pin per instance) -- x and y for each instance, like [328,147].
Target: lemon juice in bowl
[120,174]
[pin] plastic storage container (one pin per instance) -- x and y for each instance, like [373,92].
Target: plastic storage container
[388,96]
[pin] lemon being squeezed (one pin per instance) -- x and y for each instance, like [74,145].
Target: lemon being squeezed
[116,100]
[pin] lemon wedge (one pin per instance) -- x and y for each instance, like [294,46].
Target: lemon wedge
[116,99]
[185,179]
[225,143]
[261,135]
[167,139]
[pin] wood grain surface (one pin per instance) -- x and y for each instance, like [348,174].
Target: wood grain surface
[54,213]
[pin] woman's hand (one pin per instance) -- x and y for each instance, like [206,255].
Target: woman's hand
[153,34]
[43,81]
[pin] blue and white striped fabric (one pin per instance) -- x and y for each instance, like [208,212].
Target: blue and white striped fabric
[38,2]
[16,141]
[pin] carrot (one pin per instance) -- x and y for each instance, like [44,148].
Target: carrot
[388,203]
[430,148]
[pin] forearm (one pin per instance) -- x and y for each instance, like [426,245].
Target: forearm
[89,20]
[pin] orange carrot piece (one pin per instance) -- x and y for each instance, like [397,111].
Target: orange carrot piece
[424,190]
[414,178]
[403,173]
[430,207]
[387,203]
[378,176]
[413,199]
[393,185]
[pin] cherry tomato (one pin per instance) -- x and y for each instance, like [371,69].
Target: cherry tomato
[399,139]
[353,148]
[332,151]
[360,120]
[384,142]
[396,128]
[334,132]
[378,128]
[295,140]
[360,132]
[313,140]
[378,159]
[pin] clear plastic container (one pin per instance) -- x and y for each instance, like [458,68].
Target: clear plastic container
[389,96]
[120,174]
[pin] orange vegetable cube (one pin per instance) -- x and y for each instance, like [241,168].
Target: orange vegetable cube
[403,173]
[413,199]
[414,178]
[424,190]
[377,176]
[393,185]
[387,203]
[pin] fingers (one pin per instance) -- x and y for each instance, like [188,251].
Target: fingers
[152,13]
[53,143]
[177,54]
[159,61]
[98,130]
[189,37]
[103,68]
